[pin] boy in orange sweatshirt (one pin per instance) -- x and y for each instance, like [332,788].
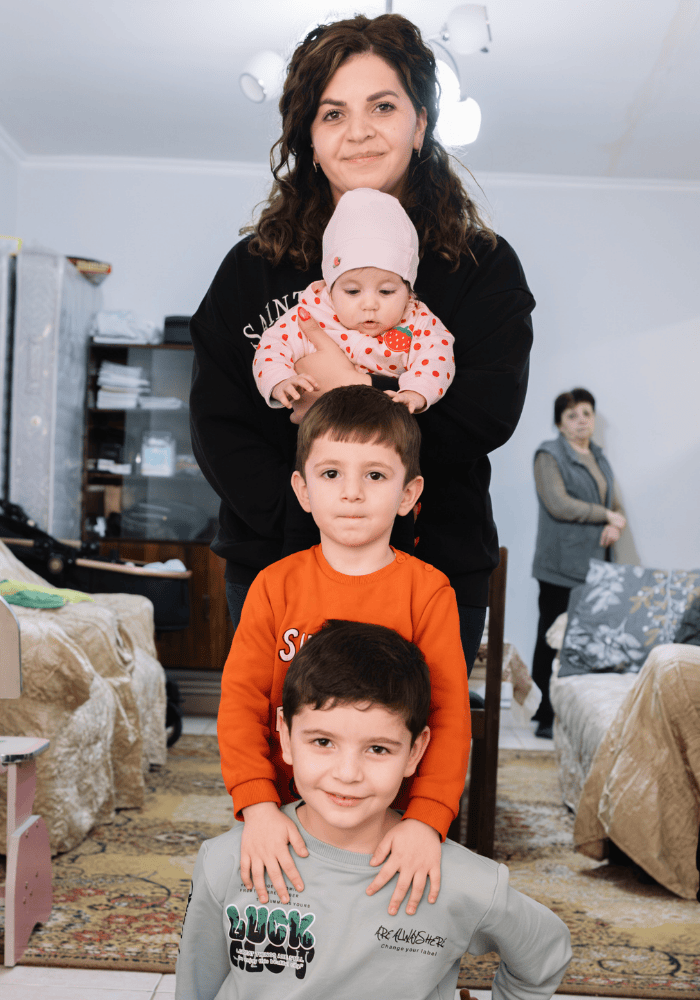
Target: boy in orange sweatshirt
[357,468]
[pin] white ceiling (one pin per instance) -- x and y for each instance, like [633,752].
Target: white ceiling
[572,87]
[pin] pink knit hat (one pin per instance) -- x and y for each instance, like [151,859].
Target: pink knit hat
[369,229]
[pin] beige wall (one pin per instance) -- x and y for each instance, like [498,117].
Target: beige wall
[9,180]
[614,268]
[164,227]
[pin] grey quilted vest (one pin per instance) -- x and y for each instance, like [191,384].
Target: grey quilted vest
[564,548]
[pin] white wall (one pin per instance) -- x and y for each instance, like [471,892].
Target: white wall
[9,179]
[612,264]
[614,267]
[163,226]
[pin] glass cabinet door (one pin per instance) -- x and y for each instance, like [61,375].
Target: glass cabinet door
[142,480]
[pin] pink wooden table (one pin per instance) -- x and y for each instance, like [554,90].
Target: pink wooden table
[27,889]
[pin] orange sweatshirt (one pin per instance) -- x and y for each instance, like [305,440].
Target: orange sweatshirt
[289,601]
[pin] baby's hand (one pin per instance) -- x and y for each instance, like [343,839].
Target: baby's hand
[415,855]
[266,834]
[286,393]
[413,400]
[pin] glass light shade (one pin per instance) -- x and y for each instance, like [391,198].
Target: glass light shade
[262,77]
[468,28]
[449,83]
[459,123]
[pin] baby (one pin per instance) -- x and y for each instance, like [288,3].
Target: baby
[367,306]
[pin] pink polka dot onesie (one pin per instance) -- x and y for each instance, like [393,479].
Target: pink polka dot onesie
[418,351]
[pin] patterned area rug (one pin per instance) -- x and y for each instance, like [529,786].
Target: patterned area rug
[630,936]
[119,897]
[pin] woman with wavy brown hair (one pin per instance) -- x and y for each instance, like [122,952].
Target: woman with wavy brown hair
[299,206]
[359,109]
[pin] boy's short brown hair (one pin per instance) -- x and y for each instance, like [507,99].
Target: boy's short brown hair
[353,663]
[361,413]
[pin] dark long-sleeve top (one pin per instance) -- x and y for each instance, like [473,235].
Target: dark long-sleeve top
[560,504]
[246,449]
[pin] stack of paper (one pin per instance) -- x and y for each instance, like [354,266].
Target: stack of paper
[160,402]
[121,326]
[119,386]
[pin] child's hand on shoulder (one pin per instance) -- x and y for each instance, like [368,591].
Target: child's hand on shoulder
[414,852]
[413,400]
[267,832]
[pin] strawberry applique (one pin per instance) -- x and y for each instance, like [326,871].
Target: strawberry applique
[398,340]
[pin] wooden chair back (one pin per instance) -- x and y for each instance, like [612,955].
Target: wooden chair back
[475,824]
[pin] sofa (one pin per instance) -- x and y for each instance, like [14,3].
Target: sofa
[93,686]
[627,731]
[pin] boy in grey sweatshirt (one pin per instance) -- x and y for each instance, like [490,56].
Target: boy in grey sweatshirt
[355,704]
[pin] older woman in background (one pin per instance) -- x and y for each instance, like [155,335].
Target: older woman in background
[576,494]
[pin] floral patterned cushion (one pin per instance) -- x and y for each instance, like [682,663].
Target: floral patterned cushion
[620,613]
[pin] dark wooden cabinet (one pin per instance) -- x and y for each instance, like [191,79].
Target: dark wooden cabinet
[205,643]
[144,496]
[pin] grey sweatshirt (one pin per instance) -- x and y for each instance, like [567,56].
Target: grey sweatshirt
[334,941]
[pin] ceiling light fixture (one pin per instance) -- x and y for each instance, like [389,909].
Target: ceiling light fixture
[465,32]
[459,123]
[262,77]
[459,119]
[467,29]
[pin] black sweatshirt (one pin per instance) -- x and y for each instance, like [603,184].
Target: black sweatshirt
[246,449]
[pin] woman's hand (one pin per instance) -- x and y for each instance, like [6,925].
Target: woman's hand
[618,521]
[413,400]
[267,832]
[285,392]
[329,366]
[610,535]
